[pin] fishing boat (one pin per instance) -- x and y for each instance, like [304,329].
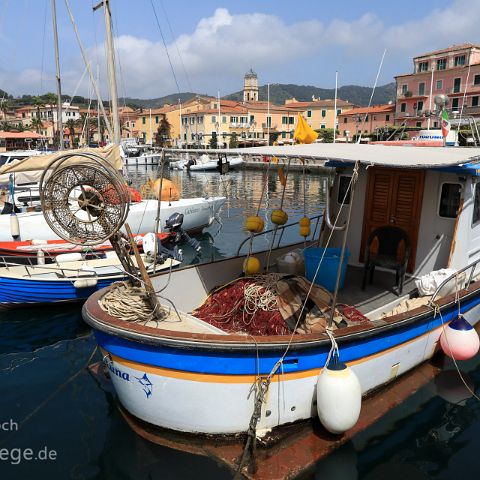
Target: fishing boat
[71,278]
[52,248]
[178,374]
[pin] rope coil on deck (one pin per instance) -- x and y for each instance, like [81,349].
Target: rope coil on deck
[128,303]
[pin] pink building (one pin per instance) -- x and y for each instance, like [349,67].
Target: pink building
[365,120]
[453,71]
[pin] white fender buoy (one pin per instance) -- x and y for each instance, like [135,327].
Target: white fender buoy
[14,226]
[148,244]
[459,340]
[40,257]
[85,283]
[339,398]
[37,242]
[68,257]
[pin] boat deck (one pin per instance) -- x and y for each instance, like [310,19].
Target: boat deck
[378,295]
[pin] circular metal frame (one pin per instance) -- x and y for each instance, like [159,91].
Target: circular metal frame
[83,202]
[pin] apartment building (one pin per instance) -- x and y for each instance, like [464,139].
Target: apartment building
[319,114]
[365,120]
[453,71]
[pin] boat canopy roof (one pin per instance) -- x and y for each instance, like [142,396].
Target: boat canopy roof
[111,154]
[331,154]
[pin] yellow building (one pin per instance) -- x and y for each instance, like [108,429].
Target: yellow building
[319,113]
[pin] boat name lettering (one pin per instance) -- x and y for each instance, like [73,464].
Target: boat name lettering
[118,372]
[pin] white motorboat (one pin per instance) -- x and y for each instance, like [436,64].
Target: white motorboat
[198,213]
[144,159]
[204,163]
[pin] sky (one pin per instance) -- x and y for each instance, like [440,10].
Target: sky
[211,43]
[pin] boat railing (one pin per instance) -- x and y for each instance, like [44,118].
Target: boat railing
[54,267]
[281,229]
[28,262]
[471,266]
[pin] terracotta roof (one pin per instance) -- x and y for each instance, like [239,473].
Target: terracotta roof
[452,48]
[385,108]
[319,103]
[20,135]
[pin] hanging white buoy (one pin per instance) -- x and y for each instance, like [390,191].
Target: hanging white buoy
[85,283]
[14,226]
[459,340]
[40,257]
[339,397]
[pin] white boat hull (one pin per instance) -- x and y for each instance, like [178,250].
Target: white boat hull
[198,213]
[201,403]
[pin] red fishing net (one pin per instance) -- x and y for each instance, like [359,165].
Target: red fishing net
[225,309]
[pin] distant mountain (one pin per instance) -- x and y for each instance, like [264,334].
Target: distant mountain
[157,102]
[303,93]
[278,94]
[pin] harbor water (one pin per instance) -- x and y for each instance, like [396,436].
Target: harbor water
[50,403]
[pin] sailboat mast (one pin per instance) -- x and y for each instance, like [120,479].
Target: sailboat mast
[112,80]
[57,74]
[335,109]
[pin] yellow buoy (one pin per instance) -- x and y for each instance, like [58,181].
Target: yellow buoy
[254,224]
[251,266]
[305,230]
[304,222]
[279,217]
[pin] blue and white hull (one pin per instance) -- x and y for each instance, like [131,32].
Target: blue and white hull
[203,383]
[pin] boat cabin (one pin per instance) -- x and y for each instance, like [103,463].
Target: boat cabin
[432,203]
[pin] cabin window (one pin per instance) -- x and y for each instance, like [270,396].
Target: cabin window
[476,206]
[343,185]
[449,200]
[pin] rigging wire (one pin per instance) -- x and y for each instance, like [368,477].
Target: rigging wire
[165,46]
[176,46]
[42,63]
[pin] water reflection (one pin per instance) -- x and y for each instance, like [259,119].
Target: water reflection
[243,190]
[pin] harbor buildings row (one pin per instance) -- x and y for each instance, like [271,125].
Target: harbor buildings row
[203,120]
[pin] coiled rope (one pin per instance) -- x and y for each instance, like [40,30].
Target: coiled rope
[128,303]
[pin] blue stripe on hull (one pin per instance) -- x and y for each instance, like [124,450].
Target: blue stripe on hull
[15,291]
[245,363]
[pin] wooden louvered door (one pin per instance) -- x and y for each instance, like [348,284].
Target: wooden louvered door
[394,197]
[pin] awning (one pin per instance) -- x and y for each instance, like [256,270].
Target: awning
[331,154]
[110,154]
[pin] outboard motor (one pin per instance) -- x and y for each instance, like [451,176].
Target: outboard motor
[190,163]
[174,225]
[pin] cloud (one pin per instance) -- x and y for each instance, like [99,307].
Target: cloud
[223,46]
